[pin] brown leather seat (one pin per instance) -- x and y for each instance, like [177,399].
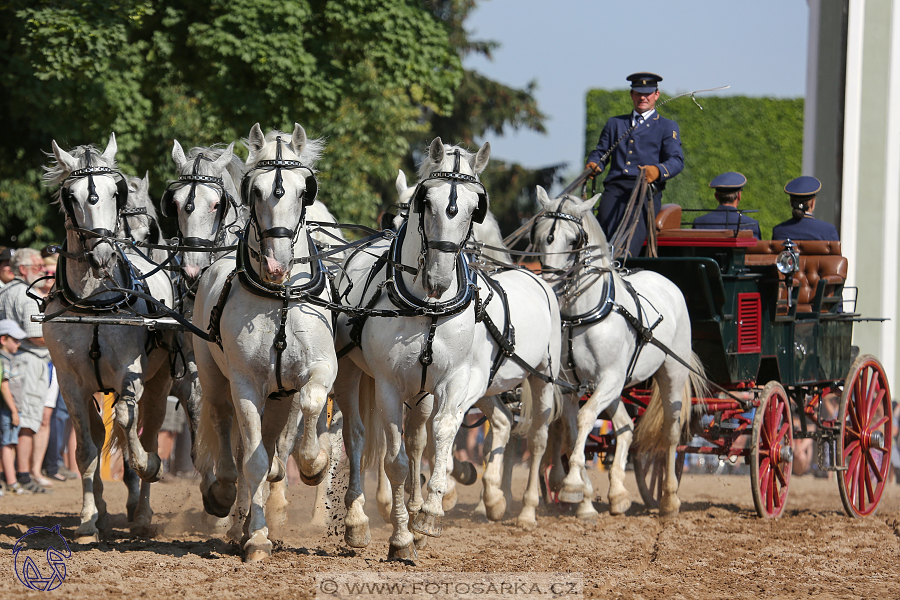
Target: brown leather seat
[819,261]
[668,217]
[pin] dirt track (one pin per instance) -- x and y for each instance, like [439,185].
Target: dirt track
[716,548]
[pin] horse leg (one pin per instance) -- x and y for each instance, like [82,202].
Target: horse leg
[495,443]
[416,434]
[214,455]
[675,394]
[133,485]
[608,389]
[542,399]
[383,495]
[153,413]
[279,430]
[326,510]
[241,499]
[619,502]
[313,451]
[346,394]
[127,413]
[396,465]
[90,435]
[445,423]
[256,543]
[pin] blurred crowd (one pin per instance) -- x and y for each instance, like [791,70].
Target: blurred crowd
[38,445]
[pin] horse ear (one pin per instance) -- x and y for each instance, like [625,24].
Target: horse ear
[64,158]
[298,139]
[481,159]
[256,139]
[593,201]
[110,153]
[436,151]
[401,184]
[178,155]
[145,183]
[543,198]
[223,160]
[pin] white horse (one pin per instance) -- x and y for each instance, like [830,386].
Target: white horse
[400,360]
[607,350]
[517,302]
[128,361]
[276,358]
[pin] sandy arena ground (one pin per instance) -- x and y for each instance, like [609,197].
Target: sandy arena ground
[716,548]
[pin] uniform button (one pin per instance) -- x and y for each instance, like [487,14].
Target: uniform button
[626,170]
[628,162]
[629,152]
[630,141]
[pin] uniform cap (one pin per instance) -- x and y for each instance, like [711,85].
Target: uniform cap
[644,82]
[728,182]
[12,329]
[803,186]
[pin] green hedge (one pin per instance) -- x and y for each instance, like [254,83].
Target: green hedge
[759,137]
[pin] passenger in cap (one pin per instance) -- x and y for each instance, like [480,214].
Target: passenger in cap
[728,188]
[802,225]
[644,139]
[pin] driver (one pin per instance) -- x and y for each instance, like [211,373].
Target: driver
[655,143]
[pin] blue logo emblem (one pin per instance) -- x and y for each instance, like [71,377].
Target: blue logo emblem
[43,578]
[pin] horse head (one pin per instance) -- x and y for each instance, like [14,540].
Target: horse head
[202,198]
[92,193]
[564,229]
[448,199]
[278,184]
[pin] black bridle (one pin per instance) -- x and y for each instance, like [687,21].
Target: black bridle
[556,216]
[170,208]
[67,198]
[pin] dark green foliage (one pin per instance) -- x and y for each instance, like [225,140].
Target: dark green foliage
[759,137]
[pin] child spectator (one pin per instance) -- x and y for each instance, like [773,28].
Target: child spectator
[11,335]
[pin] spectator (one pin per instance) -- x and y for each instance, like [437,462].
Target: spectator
[171,427]
[42,436]
[6,273]
[11,335]
[50,262]
[53,459]
[29,376]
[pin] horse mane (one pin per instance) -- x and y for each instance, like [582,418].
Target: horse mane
[426,168]
[311,153]
[56,173]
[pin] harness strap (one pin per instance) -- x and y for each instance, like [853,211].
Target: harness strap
[95,355]
[280,345]
[427,356]
[215,315]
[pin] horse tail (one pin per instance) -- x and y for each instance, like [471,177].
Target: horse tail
[374,444]
[649,435]
[206,443]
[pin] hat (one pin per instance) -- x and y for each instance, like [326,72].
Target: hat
[803,187]
[7,254]
[11,328]
[644,83]
[728,182]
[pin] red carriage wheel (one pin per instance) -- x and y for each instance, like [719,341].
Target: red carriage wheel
[771,451]
[864,448]
[648,470]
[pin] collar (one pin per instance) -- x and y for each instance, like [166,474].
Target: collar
[635,114]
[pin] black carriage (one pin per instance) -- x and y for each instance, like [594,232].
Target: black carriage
[773,331]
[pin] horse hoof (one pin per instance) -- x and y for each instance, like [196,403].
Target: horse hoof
[357,537]
[402,552]
[103,521]
[619,506]
[428,525]
[143,531]
[277,472]
[571,496]
[449,500]
[219,499]
[420,541]
[464,472]
[496,511]
[317,478]
[526,524]
[257,552]
[153,472]
[130,507]
[87,539]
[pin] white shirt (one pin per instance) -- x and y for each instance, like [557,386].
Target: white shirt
[644,116]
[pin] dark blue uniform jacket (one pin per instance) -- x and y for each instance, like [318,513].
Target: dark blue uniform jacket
[726,217]
[806,228]
[656,141]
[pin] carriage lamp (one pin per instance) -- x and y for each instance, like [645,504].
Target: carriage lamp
[788,263]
